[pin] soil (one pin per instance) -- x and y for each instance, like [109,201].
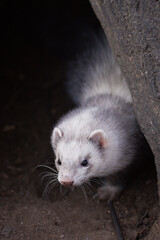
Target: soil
[32,99]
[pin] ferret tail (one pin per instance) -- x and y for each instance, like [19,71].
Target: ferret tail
[95,72]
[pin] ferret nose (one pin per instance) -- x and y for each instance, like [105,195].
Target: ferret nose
[67,183]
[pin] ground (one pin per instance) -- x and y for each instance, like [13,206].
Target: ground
[32,99]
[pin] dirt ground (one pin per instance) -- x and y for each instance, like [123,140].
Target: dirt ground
[32,99]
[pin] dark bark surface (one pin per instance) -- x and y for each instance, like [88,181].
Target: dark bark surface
[133,31]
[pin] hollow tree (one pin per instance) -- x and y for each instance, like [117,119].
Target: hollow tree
[132,28]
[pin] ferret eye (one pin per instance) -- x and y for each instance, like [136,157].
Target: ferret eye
[84,163]
[59,162]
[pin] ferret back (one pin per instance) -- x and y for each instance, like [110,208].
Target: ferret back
[96,72]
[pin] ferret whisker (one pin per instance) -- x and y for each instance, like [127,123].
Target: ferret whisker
[88,187]
[82,187]
[48,185]
[42,173]
[51,163]
[50,181]
[46,189]
[51,187]
[98,181]
[49,173]
[49,176]
[46,192]
[45,166]
[46,176]
[89,183]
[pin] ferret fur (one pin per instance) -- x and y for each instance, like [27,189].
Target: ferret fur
[103,128]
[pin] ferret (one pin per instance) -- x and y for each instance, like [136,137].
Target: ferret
[101,137]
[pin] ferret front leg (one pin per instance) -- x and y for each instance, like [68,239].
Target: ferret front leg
[109,191]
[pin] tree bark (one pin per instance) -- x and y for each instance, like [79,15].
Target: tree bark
[132,28]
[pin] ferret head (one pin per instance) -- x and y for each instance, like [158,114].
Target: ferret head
[77,160]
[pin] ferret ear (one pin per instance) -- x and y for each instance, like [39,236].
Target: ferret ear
[56,136]
[99,137]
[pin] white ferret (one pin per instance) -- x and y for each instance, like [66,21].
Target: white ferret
[101,137]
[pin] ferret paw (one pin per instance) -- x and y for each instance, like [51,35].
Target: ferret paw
[109,192]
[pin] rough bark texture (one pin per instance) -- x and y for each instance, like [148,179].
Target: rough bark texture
[133,31]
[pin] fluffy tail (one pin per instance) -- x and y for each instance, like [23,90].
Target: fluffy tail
[96,72]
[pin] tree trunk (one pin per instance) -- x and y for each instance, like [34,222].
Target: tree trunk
[132,28]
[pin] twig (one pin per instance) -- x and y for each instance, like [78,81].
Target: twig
[115,221]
